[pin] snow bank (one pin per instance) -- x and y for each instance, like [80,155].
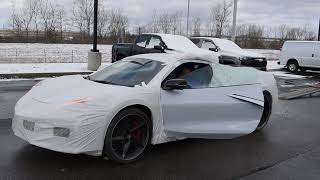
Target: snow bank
[43,68]
[49,53]
[67,53]
[269,53]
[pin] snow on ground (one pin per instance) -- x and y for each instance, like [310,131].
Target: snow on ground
[273,65]
[278,70]
[69,53]
[269,53]
[49,53]
[43,68]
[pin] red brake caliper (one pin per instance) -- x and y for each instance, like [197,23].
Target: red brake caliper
[137,134]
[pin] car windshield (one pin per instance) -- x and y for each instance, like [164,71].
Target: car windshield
[128,72]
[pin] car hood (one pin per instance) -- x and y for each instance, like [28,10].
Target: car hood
[72,90]
[243,53]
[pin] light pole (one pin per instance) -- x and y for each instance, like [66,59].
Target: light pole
[188,17]
[234,24]
[94,56]
[95,27]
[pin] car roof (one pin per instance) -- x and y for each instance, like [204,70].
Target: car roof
[211,38]
[168,57]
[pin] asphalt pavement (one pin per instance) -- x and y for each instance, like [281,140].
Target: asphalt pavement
[289,148]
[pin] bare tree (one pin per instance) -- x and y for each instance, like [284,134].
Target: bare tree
[15,20]
[60,19]
[220,17]
[286,32]
[176,22]
[83,15]
[27,14]
[196,26]
[117,22]
[103,20]
[165,22]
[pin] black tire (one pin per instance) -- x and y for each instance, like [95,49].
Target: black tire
[264,69]
[127,136]
[292,66]
[303,69]
[266,112]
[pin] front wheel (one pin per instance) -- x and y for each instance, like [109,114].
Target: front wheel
[127,136]
[266,112]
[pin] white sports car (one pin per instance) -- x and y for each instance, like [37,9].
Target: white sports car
[145,99]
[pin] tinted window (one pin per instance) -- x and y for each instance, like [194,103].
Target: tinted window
[128,72]
[196,42]
[142,41]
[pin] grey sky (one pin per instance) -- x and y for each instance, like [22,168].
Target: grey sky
[263,12]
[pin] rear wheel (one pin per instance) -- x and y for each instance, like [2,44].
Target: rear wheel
[127,136]
[292,66]
[266,112]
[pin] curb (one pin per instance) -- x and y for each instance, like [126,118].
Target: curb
[40,75]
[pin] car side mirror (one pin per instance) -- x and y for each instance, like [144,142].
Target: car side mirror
[214,49]
[173,84]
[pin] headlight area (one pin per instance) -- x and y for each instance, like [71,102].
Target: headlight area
[56,131]
[61,132]
[229,60]
[254,62]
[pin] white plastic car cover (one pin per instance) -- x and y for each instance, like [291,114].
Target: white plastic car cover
[71,114]
[80,109]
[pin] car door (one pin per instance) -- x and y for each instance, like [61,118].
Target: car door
[228,106]
[306,56]
[140,45]
[316,55]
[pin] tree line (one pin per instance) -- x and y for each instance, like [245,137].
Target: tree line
[49,20]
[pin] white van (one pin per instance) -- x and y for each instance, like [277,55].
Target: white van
[300,55]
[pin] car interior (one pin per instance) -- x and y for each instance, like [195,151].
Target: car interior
[197,75]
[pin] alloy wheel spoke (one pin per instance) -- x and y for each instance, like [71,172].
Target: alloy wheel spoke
[118,138]
[126,148]
[137,127]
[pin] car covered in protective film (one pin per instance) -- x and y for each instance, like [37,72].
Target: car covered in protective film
[119,110]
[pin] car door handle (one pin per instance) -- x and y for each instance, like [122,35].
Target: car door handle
[312,55]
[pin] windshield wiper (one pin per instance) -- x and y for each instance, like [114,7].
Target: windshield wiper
[106,82]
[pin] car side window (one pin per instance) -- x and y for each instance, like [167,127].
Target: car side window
[197,75]
[208,44]
[196,42]
[142,41]
[154,41]
[224,76]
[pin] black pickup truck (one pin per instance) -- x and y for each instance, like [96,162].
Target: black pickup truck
[143,44]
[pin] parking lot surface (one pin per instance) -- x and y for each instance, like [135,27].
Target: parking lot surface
[289,148]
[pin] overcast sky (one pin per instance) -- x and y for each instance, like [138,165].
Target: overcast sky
[263,12]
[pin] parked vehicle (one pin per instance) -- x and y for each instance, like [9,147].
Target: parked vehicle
[300,55]
[159,43]
[231,53]
[144,99]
